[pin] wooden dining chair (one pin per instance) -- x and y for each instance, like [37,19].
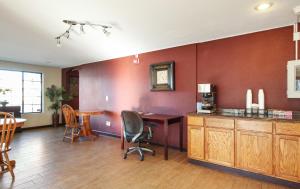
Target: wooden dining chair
[7,127]
[72,130]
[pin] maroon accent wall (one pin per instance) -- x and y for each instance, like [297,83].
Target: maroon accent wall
[127,86]
[252,61]
[256,60]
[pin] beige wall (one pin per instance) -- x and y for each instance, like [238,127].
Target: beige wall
[51,76]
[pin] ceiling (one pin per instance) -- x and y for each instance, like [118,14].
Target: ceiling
[28,28]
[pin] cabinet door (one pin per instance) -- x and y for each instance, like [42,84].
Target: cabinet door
[254,151]
[220,146]
[196,142]
[287,154]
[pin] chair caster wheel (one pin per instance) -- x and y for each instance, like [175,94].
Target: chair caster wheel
[153,153]
[142,158]
[124,156]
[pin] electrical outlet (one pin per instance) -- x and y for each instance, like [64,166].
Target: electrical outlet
[107,123]
[106,98]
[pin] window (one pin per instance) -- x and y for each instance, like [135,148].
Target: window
[26,90]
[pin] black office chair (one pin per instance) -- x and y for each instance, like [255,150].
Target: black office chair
[134,133]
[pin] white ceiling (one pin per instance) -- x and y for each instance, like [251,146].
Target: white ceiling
[28,28]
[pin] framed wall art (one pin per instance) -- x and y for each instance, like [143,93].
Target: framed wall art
[162,76]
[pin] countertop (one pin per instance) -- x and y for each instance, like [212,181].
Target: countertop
[294,118]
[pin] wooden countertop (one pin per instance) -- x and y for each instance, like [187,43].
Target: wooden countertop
[295,118]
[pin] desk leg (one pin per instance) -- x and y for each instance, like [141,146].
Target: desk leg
[122,139]
[181,134]
[166,133]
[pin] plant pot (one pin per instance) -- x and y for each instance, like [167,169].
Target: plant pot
[55,120]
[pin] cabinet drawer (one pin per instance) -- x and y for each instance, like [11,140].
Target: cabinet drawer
[288,128]
[220,123]
[195,120]
[252,125]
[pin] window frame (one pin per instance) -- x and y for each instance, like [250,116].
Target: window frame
[22,105]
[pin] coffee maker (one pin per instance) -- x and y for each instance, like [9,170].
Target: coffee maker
[207,101]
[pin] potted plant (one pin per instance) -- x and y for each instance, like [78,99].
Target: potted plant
[56,95]
[3,92]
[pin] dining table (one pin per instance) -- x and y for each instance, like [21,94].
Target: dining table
[19,122]
[86,130]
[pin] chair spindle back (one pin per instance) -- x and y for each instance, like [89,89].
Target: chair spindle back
[8,126]
[70,116]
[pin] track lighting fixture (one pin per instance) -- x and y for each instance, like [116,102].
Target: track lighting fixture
[81,28]
[72,24]
[136,59]
[58,42]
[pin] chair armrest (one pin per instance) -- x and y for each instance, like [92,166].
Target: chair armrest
[136,137]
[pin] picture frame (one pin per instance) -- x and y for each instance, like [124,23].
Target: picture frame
[74,86]
[162,76]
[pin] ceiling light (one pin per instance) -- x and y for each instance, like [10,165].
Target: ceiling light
[263,6]
[136,59]
[81,28]
[72,24]
[58,42]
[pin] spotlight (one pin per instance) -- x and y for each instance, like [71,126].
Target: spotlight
[58,42]
[67,34]
[81,28]
[107,33]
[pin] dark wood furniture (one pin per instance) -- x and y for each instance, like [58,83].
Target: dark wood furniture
[15,110]
[167,121]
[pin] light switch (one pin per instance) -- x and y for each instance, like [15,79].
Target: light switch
[106,98]
[107,123]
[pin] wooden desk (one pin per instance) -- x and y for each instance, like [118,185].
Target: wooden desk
[166,120]
[86,116]
[20,122]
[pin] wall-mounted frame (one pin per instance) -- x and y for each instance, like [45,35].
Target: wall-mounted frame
[74,86]
[162,76]
[293,79]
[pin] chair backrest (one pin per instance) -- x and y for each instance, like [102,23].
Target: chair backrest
[132,123]
[70,116]
[8,126]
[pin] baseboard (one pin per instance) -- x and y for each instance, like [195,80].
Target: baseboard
[38,127]
[118,136]
[107,134]
[244,173]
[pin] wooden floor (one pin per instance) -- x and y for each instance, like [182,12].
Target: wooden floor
[44,161]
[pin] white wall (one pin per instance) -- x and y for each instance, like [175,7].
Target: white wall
[51,76]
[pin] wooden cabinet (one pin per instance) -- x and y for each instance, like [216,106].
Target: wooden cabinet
[254,151]
[287,155]
[219,135]
[196,142]
[266,146]
[220,146]
[254,145]
[287,150]
[195,138]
